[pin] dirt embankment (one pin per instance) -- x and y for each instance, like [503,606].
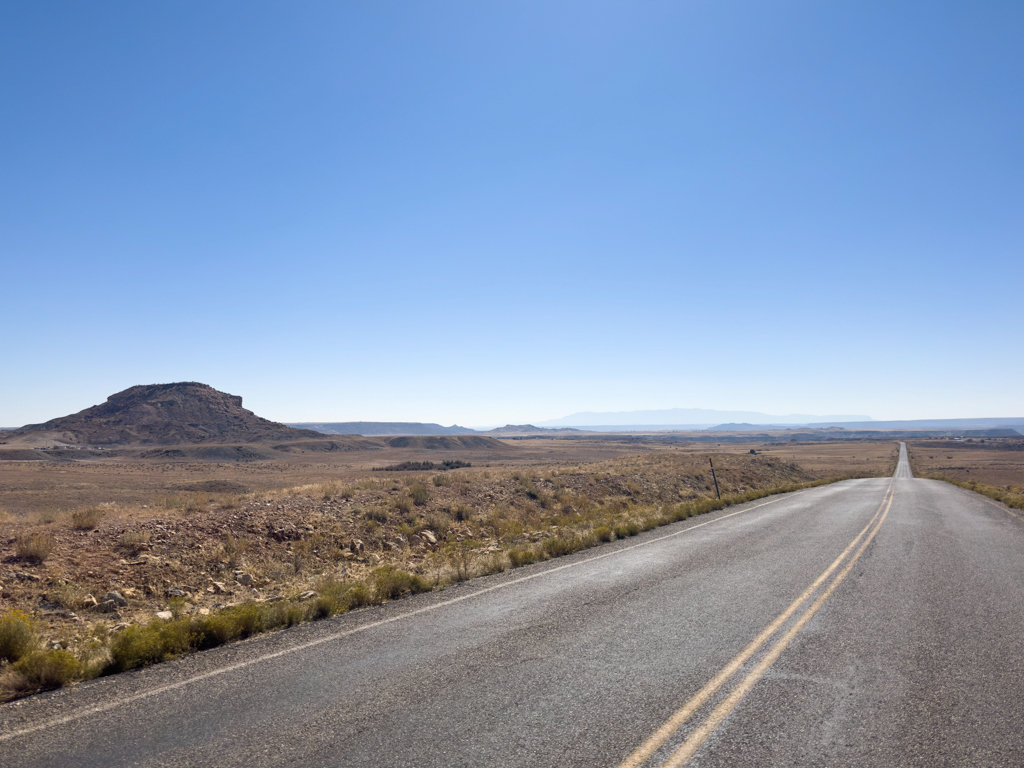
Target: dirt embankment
[210,547]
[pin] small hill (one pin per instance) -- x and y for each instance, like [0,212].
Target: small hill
[161,414]
[447,443]
[528,429]
[371,428]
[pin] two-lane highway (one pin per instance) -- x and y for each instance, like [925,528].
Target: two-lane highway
[866,623]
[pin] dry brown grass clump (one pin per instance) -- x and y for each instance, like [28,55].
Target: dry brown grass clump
[87,519]
[34,546]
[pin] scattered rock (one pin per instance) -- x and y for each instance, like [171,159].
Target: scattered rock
[245,579]
[275,599]
[165,615]
[89,602]
[54,645]
[175,592]
[203,611]
[428,536]
[308,594]
[26,576]
[218,588]
[114,597]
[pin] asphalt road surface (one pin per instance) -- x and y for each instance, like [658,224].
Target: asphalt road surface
[865,623]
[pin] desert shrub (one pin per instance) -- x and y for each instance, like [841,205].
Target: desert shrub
[34,545]
[233,623]
[603,533]
[455,464]
[624,530]
[652,521]
[439,524]
[460,556]
[442,480]
[462,513]
[141,646]
[234,549]
[377,514]
[329,490]
[530,489]
[87,519]
[133,541]
[520,557]
[407,466]
[358,596]
[48,669]
[558,546]
[301,550]
[495,563]
[17,636]
[403,505]
[418,494]
[66,595]
[196,502]
[390,582]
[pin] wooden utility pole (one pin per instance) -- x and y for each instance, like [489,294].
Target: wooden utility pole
[718,492]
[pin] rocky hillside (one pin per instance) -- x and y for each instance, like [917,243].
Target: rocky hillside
[161,414]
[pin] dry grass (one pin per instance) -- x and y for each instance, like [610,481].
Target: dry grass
[88,518]
[996,463]
[33,546]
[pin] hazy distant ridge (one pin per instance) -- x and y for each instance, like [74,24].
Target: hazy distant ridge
[369,428]
[690,416]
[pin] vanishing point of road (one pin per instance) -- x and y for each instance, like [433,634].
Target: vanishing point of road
[875,622]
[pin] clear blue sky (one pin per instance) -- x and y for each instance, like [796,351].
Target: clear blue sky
[508,211]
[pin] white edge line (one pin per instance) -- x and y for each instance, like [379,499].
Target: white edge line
[100,708]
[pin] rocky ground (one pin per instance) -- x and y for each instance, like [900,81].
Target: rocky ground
[110,566]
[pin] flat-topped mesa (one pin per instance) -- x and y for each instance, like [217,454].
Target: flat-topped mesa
[165,414]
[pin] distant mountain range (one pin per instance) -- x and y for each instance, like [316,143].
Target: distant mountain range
[689,418]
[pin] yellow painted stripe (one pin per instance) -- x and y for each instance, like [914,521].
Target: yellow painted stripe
[664,733]
[698,737]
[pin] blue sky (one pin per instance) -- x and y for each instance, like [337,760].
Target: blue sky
[508,211]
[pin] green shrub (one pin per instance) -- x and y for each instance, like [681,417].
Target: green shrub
[358,596]
[17,636]
[418,494]
[603,533]
[234,623]
[48,669]
[141,646]
[390,582]
[625,530]
[87,519]
[520,557]
[558,546]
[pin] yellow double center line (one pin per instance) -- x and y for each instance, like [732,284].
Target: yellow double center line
[698,737]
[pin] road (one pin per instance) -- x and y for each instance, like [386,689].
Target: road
[872,622]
